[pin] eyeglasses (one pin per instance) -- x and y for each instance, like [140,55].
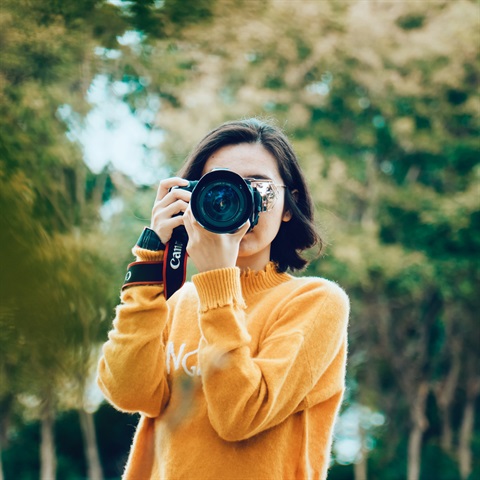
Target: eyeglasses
[267,189]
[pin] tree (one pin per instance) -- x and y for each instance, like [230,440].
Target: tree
[380,98]
[43,193]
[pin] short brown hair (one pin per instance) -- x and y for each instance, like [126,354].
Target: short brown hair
[300,232]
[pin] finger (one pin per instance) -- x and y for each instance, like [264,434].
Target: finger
[172,196]
[188,220]
[165,185]
[189,215]
[162,221]
[243,229]
[159,213]
[165,230]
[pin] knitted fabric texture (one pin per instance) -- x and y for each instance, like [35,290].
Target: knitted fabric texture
[237,376]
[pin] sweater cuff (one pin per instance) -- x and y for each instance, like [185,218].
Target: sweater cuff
[218,288]
[144,255]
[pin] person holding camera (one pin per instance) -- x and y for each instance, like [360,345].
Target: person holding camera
[240,373]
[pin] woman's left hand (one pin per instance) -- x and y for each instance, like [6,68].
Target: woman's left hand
[208,250]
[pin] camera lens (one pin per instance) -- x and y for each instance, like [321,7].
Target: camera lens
[222,201]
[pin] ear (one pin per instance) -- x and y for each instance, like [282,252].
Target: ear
[287,214]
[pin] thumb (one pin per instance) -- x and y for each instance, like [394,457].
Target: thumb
[243,229]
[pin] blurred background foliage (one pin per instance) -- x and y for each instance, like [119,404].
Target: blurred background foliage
[380,99]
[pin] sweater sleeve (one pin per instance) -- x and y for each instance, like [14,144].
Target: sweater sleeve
[131,371]
[300,362]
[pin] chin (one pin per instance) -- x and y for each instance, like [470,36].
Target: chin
[243,251]
[246,250]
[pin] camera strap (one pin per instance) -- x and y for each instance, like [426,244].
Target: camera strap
[175,261]
[143,273]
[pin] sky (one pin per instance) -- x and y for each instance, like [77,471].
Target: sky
[113,135]
[110,134]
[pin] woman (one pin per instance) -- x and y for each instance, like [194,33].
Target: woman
[240,374]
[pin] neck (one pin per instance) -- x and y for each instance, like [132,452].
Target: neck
[255,263]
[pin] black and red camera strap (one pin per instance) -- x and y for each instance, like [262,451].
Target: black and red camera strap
[171,271]
[143,273]
[175,261]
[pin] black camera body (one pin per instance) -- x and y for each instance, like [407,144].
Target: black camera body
[222,201]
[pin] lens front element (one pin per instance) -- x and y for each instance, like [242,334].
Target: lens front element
[221,203]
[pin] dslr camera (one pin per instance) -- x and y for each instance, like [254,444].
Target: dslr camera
[222,201]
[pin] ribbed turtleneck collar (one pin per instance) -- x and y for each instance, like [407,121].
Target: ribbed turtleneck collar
[256,281]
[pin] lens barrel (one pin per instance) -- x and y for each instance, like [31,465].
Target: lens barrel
[222,201]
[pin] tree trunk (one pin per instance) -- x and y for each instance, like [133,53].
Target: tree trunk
[466,430]
[3,437]
[360,469]
[1,464]
[90,443]
[360,465]
[419,425]
[445,394]
[447,434]
[48,459]
[6,406]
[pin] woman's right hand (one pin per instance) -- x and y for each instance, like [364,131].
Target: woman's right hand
[168,204]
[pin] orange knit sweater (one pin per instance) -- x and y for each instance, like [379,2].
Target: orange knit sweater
[237,376]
